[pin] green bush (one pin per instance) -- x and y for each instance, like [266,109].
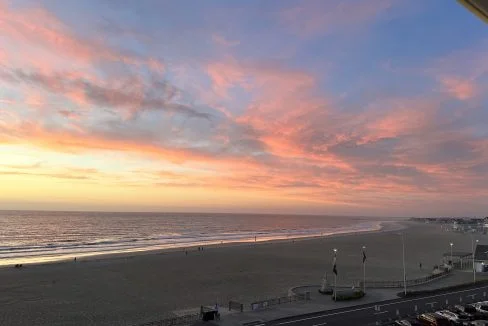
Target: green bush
[327,290]
[349,295]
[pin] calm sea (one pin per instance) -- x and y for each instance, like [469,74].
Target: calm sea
[39,236]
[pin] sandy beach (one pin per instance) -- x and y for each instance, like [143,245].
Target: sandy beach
[142,287]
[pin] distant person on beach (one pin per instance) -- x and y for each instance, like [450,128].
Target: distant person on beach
[420,266]
[75,258]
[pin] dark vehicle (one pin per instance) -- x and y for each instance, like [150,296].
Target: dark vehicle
[433,319]
[470,313]
[482,307]
[403,322]
[473,311]
[410,321]
[478,323]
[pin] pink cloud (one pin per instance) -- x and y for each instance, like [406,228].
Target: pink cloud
[38,28]
[318,17]
[461,73]
[459,88]
[222,41]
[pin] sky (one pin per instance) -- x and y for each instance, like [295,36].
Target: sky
[356,107]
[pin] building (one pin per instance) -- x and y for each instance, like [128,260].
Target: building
[481,258]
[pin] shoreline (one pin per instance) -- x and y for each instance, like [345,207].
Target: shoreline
[384,227]
[141,287]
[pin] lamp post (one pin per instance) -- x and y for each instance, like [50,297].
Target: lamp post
[472,254]
[335,274]
[404,270]
[452,263]
[364,270]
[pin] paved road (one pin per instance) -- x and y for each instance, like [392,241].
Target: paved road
[371,314]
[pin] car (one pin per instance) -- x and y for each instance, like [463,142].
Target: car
[478,323]
[403,322]
[461,310]
[433,319]
[471,309]
[482,307]
[412,321]
[454,317]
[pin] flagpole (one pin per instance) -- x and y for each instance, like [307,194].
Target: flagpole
[335,274]
[364,271]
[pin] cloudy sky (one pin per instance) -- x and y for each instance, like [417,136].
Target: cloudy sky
[359,107]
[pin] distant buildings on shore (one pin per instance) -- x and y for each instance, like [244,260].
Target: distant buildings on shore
[460,224]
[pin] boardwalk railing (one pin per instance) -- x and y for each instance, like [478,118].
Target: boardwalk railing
[174,321]
[258,305]
[233,305]
[399,284]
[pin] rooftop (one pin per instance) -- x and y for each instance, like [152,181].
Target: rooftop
[481,252]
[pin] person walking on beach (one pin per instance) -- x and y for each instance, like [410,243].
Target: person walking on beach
[420,265]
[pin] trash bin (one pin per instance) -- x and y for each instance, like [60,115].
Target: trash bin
[209,315]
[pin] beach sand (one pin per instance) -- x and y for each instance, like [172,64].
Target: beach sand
[126,290]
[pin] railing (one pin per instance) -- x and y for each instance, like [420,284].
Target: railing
[280,300]
[467,264]
[233,305]
[174,321]
[399,284]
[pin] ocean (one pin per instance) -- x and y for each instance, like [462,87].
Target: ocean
[42,236]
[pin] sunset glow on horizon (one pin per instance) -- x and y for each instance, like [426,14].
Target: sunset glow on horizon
[366,107]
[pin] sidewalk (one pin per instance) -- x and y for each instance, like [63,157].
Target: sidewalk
[317,303]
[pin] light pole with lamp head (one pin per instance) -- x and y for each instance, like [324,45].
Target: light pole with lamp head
[472,254]
[452,263]
[404,270]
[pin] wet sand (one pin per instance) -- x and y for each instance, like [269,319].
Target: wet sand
[126,290]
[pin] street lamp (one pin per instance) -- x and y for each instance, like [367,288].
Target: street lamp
[452,263]
[404,270]
[472,254]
